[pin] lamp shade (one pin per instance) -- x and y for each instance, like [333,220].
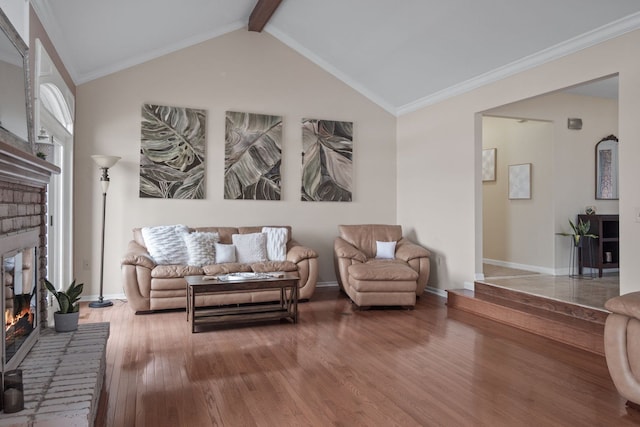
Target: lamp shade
[105,162]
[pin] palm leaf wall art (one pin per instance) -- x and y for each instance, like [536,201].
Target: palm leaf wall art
[327,153]
[172,152]
[252,156]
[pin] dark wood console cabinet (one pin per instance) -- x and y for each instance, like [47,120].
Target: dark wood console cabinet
[607,228]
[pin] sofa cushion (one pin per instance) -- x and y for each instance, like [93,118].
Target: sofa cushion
[271,266]
[258,229]
[276,243]
[250,247]
[225,253]
[168,271]
[383,271]
[201,247]
[385,250]
[231,267]
[165,243]
[225,233]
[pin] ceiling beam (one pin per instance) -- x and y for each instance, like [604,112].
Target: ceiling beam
[262,13]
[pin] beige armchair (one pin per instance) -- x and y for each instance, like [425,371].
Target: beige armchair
[372,278]
[622,345]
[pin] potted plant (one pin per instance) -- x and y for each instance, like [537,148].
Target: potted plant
[579,231]
[66,318]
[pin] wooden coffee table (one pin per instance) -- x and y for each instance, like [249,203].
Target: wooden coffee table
[286,308]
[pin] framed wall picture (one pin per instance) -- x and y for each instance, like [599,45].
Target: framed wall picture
[488,164]
[520,181]
[607,168]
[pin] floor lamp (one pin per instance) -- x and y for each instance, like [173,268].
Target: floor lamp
[104,163]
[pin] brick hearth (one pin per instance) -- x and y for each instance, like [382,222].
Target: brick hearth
[63,375]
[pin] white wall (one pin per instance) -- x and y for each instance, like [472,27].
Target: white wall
[439,149]
[240,71]
[519,231]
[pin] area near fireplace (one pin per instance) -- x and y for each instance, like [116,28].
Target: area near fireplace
[23,240]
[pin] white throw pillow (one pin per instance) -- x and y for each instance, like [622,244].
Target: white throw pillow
[276,243]
[165,243]
[225,253]
[385,250]
[250,247]
[201,248]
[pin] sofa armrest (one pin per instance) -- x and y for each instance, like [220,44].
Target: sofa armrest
[627,305]
[296,252]
[137,255]
[344,249]
[407,250]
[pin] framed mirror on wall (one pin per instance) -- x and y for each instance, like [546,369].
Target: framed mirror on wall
[16,120]
[607,168]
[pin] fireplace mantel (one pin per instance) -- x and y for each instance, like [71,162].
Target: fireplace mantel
[24,168]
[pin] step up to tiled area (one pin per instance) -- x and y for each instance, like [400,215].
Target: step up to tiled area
[62,377]
[569,323]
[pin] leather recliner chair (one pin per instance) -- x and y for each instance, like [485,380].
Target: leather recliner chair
[371,280]
[622,345]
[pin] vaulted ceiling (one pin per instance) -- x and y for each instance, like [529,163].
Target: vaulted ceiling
[402,54]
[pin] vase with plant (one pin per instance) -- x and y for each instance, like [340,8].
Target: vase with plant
[66,318]
[579,232]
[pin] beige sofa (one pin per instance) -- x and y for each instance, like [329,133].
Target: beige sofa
[622,344]
[372,281]
[151,287]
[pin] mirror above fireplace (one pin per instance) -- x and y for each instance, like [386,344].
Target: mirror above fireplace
[16,113]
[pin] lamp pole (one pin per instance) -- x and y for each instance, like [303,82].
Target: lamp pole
[104,162]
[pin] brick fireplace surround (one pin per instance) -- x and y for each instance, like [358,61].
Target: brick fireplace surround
[63,373]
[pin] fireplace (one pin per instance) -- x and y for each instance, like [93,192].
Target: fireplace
[23,248]
[20,296]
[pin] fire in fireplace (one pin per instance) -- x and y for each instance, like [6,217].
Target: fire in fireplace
[20,300]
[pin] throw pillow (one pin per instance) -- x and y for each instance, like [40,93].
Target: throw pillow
[165,243]
[201,248]
[225,253]
[276,243]
[250,247]
[385,250]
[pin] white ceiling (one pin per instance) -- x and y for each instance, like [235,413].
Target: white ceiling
[402,54]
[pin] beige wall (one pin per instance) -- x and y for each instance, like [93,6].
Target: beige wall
[240,71]
[439,150]
[571,169]
[519,231]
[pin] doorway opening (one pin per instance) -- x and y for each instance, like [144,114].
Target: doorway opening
[521,247]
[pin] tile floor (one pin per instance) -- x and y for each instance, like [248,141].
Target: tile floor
[583,291]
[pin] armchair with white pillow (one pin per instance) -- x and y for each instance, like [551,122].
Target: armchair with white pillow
[376,266]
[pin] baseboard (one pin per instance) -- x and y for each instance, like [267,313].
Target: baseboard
[439,292]
[333,284]
[534,268]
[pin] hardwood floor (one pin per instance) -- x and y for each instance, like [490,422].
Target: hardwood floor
[341,367]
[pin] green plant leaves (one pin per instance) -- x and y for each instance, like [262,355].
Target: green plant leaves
[172,152]
[67,300]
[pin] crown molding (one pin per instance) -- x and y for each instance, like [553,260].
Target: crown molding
[352,83]
[575,44]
